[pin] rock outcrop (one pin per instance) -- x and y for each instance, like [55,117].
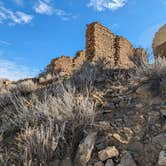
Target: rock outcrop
[159,42]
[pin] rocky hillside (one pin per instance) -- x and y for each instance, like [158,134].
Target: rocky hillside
[97,109]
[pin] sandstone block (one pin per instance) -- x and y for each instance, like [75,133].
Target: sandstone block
[85,150]
[159,42]
[107,153]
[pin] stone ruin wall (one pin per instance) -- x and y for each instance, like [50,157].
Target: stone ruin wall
[66,64]
[101,42]
[79,59]
[159,42]
[62,64]
[124,54]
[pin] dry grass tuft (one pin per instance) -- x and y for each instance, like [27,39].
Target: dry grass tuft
[154,75]
[40,123]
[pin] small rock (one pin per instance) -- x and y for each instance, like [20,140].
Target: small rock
[66,162]
[109,162]
[163,112]
[119,138]
[99,163]
[140,105]
[127,160]
[107,153]
[85,150]
[41,79]
[124,136]
[162,159]
[160,140]
[100,146]
[48,77]
[55,163]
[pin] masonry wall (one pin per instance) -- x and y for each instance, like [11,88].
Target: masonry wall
[101,42]
[79,59]
[61,64]
[125,54]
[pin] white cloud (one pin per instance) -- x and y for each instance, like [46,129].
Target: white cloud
[11,17]
[43,7]
[46,7]
[14,71]
[101,5]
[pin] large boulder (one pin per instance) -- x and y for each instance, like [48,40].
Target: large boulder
[85,150]
[159,42]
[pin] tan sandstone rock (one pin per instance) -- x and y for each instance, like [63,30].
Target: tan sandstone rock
[159,42]
[99,163]
[107,153]
[85,150]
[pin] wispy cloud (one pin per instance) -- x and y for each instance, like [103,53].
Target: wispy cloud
[11,17]
[101,5]
[3,42]
[14,71]
[46,7]
[43,7]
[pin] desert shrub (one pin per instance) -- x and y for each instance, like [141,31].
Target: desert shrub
[24,87]
[38,144]
[38,123]
[89,73]
[153,74]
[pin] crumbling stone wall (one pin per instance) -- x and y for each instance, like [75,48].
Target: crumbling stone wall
[124,53]
[63,64]
[140,56]
[79,59]
[159,42]
[101,42]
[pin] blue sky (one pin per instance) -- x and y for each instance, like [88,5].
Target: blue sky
[32,32]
